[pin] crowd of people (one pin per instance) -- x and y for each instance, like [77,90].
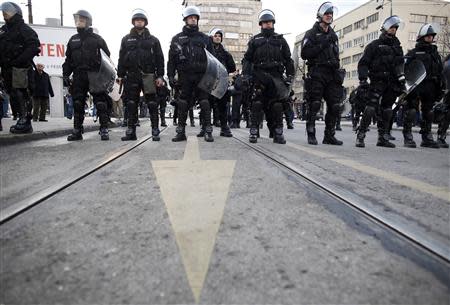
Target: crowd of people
[199,66]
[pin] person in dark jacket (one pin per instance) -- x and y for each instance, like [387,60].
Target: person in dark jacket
[227,60]
[162,97]
[188,58]
[19,44]
[265,62]
[83,56]
[236,93]
[42,89]
[382,63]
[141,65]
[320,49]
[429,91]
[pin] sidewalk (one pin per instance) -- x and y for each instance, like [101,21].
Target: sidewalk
[55,127]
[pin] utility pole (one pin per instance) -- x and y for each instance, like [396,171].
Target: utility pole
[382,6]
[61,8]
[30,12]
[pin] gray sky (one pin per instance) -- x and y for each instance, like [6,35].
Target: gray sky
[113,18]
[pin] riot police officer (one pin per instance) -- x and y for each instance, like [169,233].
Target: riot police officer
[324,79]
[227,60]
[429,91]
[383,63]
[83,59]
[18,45]
[267,58]
[187,57]
[141,66]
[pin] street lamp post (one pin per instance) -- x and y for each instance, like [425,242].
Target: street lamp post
[30,12]
[382,6]
[61,9]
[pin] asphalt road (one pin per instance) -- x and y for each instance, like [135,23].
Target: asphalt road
[244,232]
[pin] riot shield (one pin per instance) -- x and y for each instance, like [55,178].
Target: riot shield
[415,73]
[446,73]
[102,80]
[215,79]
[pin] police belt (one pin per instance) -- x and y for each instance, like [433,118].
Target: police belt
[269,65]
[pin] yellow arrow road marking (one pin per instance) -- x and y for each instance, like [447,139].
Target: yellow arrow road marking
[195,192]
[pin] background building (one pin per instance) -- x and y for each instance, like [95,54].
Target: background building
[237,18]
[360,26]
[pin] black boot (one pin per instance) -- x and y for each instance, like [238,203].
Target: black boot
[155,134]
[201,134]
[383,125]
[441,141]
[329,138]
[290,125]
[130,134]
[162,115]
[360,138]
[253,135]
[104,135]
[208,134]
[225,132]
[75,135]
[408,139]
[22,126]
[338,126]
[428,141]
[311,132]
[270,133]
[383,140]
[175,122]
[163,122]
[181,135]
[278,136]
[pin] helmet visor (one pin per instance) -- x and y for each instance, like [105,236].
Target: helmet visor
[80,21]
[393,21]
[327,8]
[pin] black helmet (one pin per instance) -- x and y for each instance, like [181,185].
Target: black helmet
[11,8]
[139,13]
[266,15]
[85,14]
[425,30]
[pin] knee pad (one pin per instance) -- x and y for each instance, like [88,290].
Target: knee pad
[315,106]
[78,105]
[153,106]
[386,114]
[369,111]
[410,115]
[101,106]
[204,104]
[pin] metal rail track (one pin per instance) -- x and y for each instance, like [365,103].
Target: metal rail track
[20,207]
[423,241]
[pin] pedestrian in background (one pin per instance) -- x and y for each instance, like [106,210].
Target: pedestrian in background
[42,89]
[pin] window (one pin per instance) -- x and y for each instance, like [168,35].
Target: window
[357,57]
[416,18]
[232,10]
[339,33]
[346,60]
[245,24]
[354,74]
[213,9]
[412,36]
[247,11]
[439,20]
[347,45]
[371,36]
[358,24]
[347,29]
[358,41]
[372,18]
[347,74]
[231,35]
[245,36]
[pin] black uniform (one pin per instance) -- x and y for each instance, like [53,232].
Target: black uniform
[188,58]
[141,61]
[428,91]
[18,45]
[324,80]
[83,56]
[227,60]
[267,58]
[236,94]
[383,63]
[162,96]
[444,115]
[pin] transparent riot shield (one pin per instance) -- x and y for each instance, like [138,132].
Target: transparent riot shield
[102,80]
[415,73]
[215,79]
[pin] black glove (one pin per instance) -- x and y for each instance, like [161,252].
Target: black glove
[402,83]
[66,81]
[364,84]
[172,82]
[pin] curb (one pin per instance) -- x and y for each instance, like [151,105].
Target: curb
[11,139]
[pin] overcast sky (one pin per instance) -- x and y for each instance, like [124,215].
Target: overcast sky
[113,18]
